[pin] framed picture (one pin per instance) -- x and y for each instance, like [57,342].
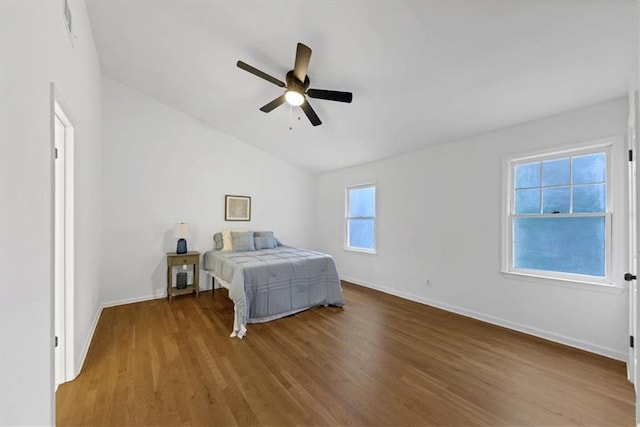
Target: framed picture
[237,208]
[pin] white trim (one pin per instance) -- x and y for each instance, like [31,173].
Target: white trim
[52,249]
[361,250]
[134,300]
[69,230]
[576,283]
[550,152]
[87,344]
[632,236]
[540,333]
[59,235]
[59,108]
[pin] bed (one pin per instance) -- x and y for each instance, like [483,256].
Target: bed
[273,282]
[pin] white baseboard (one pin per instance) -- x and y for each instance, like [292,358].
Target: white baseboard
[551,336]
[87,344]
[134,300]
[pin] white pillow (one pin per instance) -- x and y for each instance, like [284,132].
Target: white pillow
[227,245]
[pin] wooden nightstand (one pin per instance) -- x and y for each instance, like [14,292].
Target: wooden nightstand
[174,260]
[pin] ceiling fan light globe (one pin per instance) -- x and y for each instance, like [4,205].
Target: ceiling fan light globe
[294,98]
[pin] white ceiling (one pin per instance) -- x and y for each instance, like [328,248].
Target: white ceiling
[421,73]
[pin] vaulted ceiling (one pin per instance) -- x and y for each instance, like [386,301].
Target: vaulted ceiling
[421,73]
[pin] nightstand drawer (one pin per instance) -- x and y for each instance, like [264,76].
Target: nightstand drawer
[183,259]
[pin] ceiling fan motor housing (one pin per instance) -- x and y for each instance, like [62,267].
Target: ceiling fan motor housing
[294,84]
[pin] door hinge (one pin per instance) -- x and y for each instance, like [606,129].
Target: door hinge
[57,341]
[631,341]
[56,153]
[631,155]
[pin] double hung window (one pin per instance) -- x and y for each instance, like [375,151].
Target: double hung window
[559,215]
[361,218]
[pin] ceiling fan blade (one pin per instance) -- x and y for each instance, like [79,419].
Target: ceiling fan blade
[311,115]
[273,104]
[303,55]
[331,95]
[259,73]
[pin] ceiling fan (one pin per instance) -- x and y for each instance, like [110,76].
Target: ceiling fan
[297,86]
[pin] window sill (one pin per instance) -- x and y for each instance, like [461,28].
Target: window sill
[362,251]
[570,283]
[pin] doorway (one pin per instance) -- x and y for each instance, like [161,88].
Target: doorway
[63,244]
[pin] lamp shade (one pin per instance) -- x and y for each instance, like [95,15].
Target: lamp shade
[181,230]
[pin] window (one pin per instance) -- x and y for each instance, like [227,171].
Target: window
[559,221]
[361,218]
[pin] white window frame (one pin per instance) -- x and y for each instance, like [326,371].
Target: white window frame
[347,246]
[608,147]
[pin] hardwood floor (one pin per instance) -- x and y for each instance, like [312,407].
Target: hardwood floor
[381,360]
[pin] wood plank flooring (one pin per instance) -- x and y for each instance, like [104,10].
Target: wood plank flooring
[381,360]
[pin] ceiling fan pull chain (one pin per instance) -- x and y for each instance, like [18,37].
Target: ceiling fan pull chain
[290,114]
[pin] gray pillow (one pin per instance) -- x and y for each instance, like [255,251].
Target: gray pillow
[242,241]
[217,241]
[265,242]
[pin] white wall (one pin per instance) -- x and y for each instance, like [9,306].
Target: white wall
[439,219]
[35,50]
[163,167]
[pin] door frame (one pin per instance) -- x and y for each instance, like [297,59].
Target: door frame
[634,320]
[59,108]
[632,183]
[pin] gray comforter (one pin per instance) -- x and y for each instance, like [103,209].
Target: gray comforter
[273,283]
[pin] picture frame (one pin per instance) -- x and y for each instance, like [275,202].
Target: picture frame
[237,208]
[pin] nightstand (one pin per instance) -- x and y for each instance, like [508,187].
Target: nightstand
[174,260]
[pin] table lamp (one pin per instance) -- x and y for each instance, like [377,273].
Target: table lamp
[181,232]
